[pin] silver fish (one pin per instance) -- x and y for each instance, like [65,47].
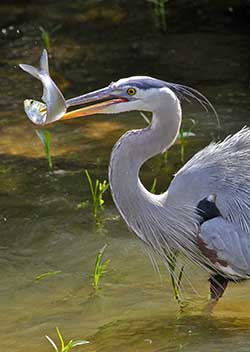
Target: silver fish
[55,104]
[35,110]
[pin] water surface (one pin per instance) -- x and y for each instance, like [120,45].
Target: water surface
[43,228]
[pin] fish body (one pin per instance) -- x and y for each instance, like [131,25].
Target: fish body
[55,104]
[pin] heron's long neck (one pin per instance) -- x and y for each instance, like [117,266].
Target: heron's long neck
[134,202]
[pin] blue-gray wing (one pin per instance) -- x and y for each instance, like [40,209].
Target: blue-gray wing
[222,169]
[227,246]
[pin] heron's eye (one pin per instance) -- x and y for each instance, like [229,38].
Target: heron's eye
[131,91]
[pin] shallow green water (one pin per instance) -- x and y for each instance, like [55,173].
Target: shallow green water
[42,227]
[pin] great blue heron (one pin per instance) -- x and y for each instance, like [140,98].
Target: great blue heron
[205,213]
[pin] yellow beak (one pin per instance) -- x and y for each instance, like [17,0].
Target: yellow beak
[97,107]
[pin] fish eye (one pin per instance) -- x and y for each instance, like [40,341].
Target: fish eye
[31,102]
[131,91]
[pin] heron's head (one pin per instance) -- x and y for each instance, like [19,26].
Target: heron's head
[128,94]
[141,93]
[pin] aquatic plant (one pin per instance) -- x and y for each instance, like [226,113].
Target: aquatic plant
[48,274]
[160,13]
[100,268]
[45,138]
[97,189]
[82,205]
[165,157]
[153,187]
[65,347]
[46,36]
[175,277]
[183,136]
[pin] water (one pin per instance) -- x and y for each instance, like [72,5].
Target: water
[42,227]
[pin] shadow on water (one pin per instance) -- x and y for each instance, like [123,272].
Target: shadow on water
[43,228]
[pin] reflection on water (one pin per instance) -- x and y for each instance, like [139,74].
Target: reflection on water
[171,334]
[42,227]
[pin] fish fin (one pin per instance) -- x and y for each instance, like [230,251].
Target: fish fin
[30,69]
[44,62]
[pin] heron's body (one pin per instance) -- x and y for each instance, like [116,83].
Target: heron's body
[219,240]
[170,219]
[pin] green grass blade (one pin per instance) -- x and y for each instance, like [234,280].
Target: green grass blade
[79,343]
[45,138]
[172,261]
[90,183]
[97,189]
[45,35]
[182,152]
[44,275]
[68,347]
[52,343]
[99,268]
[180,275]
[153,187]
[103,266]
[60,338]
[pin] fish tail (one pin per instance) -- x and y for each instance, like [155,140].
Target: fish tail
[44,66]
[44,62]
[31,70]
